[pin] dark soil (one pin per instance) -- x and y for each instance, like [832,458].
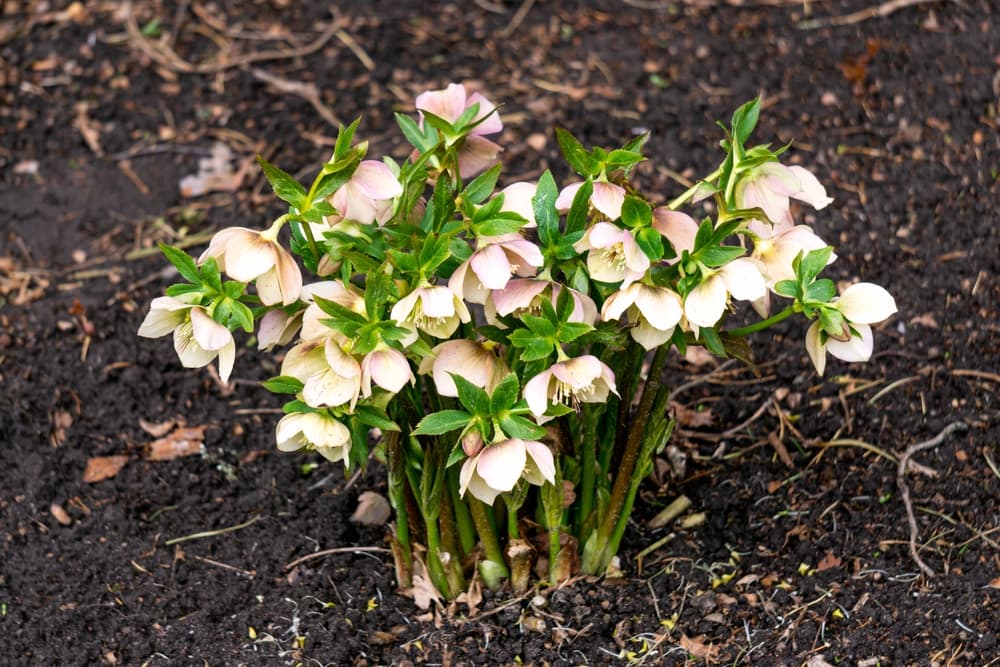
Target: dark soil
[801,561]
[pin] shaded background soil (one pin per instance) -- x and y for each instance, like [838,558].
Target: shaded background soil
[801,558]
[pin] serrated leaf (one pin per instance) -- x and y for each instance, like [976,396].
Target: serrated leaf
[184,263]
[578,158]
[473,398]
[519,427]
[482,186]
[719,255]
[442,422]
[544,206]
[570,331]
[651,243]
[540,326]
[284,185]
[504,396]
[283,384]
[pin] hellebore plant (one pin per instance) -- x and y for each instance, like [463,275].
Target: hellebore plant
[497,339]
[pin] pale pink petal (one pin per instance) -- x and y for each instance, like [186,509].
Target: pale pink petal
[462,357]
[277,328]
[477,154]
[448,103]
[339,361]
[465,476]
[616,304]
[354,204]
[517,295]
[207,332]
[491,266]
[543,460]
[580,372]
[376,180]
[501,464]
[604,235]
[661,307]
[487,110]
[289,276]
[536,393]
[811,191]
[705,304]
[815,347]
[584,308]
[482,491]
[564,202]
[858,348]
[649,336]
[866,303]
[227,357]
[165,314]
[524,254]
[517,198]
[465,284]
[678,228]
[608,199]
[743,279]
[390,369]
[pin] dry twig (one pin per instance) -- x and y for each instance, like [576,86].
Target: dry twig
[307,91]
[901,469]
[878,11]
[338,550]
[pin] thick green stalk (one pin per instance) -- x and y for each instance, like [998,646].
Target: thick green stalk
[588,464]
[466,529]
[449,542]
[596,555]
[493,569]
[687,194]
[435,569]
[763,324]
[397,498]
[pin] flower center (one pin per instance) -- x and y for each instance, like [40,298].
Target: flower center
[614,255]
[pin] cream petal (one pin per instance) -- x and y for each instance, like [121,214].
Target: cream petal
[584,308]
[324,431]
[536,393]
[543,459]
[524,253]
[811,191]
[190,353]
[517,295]
[662,308]
[608,199]
[304,360]
[165,314]
[501,464]
[705,304]
[269,288]
[466,474]
[289,276]
[277,328]
[329,389]
[649,336]
[858,348]
[465,358]
[866,303]
[437,301]
[491,266]
[288,433]
[487,110]
[678,228]
[602,269]
[580,372]
[403,308]
[248,256]
[743,279]
[227,357]
[481,490]
[448,103]
[517,198]
[616,304]
[341,362]
[390,369]
[207,332]
[815,347]
[465,284]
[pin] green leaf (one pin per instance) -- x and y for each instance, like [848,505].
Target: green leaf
[283,384]
[297,406]
[813,262]
[185,265]
[577,218]
[822,290]
[704,235]
[345,136]
[180,289]
[544,205]
[719,255]
[636,212]
[519,427]
[651,243]
[502,224]
[414,134]
[537,349]
[622,159]
[745,120]
[210,272]
[712,341]
[243,315]
[482,186]
[789,288]
[505,394]
[337,311]
[284,185]
[442,422]
[473,398]
[540,326]
[570,331]
[581,161]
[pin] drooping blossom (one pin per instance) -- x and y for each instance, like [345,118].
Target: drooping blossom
[316,431]
[247,255]
[771,186]
[584,379]
[777,251]
[517,198]
[677,227]
[331,377]
[347,296]
[472,360]
[477,153]
[492,265]
[740,279]
[277,328]
[612,254]
[499,466]
[861,304]
[654,312]
[198,339]
[434,309]
[607,198]
[367,196]
[525,295]
[387,368]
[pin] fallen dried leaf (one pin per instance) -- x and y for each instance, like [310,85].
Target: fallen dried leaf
[100,468]
[691,418]
[157,430]
[59,514]
[995,583]
[828,562]
[185,441]
[373,509]
[61,421]
[698,648]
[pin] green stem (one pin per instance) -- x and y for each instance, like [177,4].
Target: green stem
[687,194]
[513,531]
[588,463]
[397,498]
[449,542]
[497,570]
[435,569]
[466,529]
[763,324]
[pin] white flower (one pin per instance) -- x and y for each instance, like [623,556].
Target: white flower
[861,304]
[677,227]
[198,339]
[491,267]
[387,368]
[613,254]
[654,311]
[583,379]
[776,252]
[498,467]
[433,309]
[472,361]
[277,328]
[367,196]
[741,279]
[771,185]
[517,198]
[247,255]
[524,296]
[330,376]
[317,431]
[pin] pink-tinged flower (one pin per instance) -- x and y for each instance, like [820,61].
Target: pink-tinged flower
[433,309]
[525,295]
[498,467]
[473,361]
[247,255]
[387,368]
[316,431]
[771,185]
[654,312]
[613,254]
[583,379]
[198,339]
[740,279]
[347,296]
[606,198]
[678,228]
[277,328]
[477,152]
[861,304]
[776,252]
[492,265]
[517,198]
[330,376]
[367,196]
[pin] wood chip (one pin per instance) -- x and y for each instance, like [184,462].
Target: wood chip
[100,468]
[186,441]
[157,429]
[373,509]
[59,514]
